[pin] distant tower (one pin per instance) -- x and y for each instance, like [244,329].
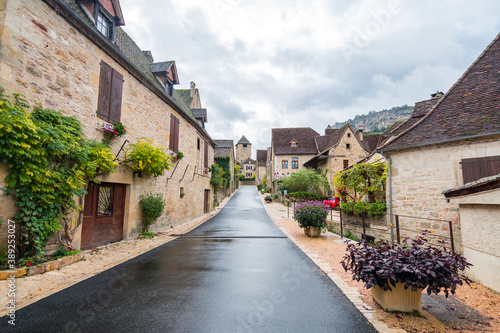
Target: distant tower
[243,150]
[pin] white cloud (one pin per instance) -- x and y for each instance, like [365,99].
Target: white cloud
[282,63]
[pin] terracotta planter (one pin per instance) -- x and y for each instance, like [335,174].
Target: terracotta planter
[312,231]
[399,299]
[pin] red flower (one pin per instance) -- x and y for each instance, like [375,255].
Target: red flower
[29,263]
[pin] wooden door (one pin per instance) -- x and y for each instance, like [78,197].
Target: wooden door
[206,202]
[103,215]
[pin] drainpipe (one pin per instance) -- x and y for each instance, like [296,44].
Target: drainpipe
[390,195]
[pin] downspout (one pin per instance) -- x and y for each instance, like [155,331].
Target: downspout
[390,194]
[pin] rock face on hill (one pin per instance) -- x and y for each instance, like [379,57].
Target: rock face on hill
[377,121]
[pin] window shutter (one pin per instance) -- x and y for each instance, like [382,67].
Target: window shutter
[206,154]
[103,102]
[477,168]
[115,108]
[174,133]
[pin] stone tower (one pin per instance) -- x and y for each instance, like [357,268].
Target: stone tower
[243,150]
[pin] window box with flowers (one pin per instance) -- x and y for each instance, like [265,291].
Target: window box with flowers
[177,156]
[112,131]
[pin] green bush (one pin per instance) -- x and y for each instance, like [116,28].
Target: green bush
[64,252]
[274,196]
[347,207]
[152,206]
[146,158]
[359,208]
[304,196]
[348,234]
[311,214]
[308,180]
[377,209]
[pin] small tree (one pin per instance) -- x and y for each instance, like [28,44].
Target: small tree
[307,180]
[363,178]
[152,206]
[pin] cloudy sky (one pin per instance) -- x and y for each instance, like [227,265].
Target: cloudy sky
[263,64]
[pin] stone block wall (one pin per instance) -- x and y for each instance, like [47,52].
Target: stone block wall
[420,175]
[288,171]
[52,63]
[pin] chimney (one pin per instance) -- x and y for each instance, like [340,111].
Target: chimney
[193,88]
[359,133]
[149,55]
[329,130]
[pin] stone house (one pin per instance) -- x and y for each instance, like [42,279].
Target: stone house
[73,55]
[455,141]
[249,168]
[338,149]
[261,166]
[224,154]
[290,149]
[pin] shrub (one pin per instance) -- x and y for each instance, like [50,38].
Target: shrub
[274,196]
[348,234]
[146,158]
[415,263]
[307,180]
[359,207]
[152,206]
[377,209]
[304,196]
[64,251]
[347,207]
[311,214]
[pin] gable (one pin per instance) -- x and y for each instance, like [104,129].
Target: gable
[304,138]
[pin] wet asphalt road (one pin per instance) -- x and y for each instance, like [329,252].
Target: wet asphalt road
[235,273]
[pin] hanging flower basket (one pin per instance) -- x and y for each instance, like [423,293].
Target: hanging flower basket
[207,169]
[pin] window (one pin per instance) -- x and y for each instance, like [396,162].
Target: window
[346,164]
[249,175]
[293,144]
[348,135]
[348,145]
[198,143]
[174,133]
[109,104]
[284,164]
[295,162]
[104,203]
[181,192]
[103,25]
[205,164]
[244,145]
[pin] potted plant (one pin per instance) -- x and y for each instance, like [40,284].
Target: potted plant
[398,273]
[177,156]
[311,216]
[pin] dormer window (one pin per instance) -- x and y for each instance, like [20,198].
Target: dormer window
[103,24]
[293,143]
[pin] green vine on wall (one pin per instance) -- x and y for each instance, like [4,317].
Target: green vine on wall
[217,181]
[225,164]
[49,163]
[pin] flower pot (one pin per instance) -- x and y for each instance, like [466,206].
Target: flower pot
[312,231]
[399,299]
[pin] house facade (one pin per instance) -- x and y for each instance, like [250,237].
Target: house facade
[73,56]
[445,148]
[249,168]
[260,174]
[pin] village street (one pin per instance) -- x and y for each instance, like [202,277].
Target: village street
[236,273]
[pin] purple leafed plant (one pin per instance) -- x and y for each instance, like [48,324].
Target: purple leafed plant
[311,214]
[415,262]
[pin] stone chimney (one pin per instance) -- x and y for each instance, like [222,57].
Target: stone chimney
[149,55]
[359,133]
[193,88]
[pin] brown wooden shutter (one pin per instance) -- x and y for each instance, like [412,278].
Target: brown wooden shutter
[174,133]
[115,108]
[206,154]
[103,102]
[477,168]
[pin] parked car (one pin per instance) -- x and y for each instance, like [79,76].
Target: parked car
[332,202]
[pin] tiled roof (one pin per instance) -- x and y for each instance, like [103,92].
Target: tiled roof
[371,142]
[200,114]
[471,108]
[477,184]
[305,137]
[244,140]
[261,157]
[223,148]
[161,66]
[249,161]
[322,142]
[186,95]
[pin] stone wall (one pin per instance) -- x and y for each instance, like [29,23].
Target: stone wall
[52,63]
[420,175]
[280,172]
[243,153]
